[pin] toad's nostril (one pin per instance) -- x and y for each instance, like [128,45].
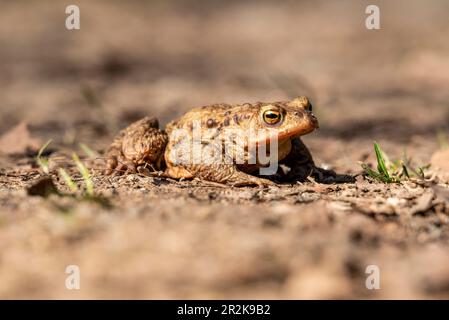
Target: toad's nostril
[309,107]
[314,121]
[298,114]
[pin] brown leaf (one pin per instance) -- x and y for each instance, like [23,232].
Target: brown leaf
[18,140]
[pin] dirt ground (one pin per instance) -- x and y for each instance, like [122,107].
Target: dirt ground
[152,237]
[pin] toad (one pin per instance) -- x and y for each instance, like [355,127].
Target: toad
[242,144]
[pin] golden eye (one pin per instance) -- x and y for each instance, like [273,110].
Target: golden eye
[272,116]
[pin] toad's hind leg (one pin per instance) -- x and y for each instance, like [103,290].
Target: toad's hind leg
[221,173]
[240,178]
[141,145]
[210,164]
[178,173]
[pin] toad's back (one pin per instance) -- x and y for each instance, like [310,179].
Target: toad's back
[216,116]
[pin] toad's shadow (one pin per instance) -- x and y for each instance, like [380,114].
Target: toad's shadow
[316,174]
[330,176]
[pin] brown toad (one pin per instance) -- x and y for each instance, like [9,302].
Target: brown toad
[222,143]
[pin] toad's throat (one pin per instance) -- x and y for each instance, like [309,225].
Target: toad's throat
[270,135]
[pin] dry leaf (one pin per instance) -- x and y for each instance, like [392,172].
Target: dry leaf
[18,140]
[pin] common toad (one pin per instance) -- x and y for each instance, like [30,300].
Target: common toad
[222,143]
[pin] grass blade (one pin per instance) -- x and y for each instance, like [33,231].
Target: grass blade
[373,174]
[41,161]
[85,174]
[88,151]
[68,180]
[381,167]
[405,171]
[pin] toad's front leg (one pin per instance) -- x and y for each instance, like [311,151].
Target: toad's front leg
[301,165]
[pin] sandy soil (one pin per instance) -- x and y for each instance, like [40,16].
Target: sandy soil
[152,237]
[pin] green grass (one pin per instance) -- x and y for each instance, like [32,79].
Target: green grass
[87,195]
[75,192]
[88,151]
[393,171]
[85,174]
[68,180]
[43,162]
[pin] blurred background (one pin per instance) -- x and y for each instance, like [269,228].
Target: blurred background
[135,58]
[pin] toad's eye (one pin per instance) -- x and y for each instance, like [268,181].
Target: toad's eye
[272,116]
